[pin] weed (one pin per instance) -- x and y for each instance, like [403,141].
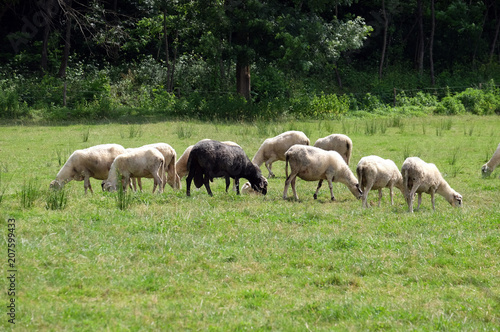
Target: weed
[56,199]
[85,135]
[30,192]
[370,127]
[446,124]
[454,156]
[3,188]
[134,131]
[184,132]
[123,197]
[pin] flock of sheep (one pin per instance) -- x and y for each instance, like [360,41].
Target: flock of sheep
[327,160]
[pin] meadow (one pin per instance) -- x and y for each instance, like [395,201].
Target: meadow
[148,261]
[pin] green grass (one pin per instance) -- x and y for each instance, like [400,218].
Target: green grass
[228,262]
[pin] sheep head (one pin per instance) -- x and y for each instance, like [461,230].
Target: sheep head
[108,186]
[260,186]
[486,171]
[456,200]
[55,184]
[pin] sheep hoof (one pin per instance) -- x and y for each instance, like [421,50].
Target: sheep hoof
[315,196]
[333,199]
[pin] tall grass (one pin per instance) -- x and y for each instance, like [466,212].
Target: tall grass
[123,197]
[56,199]
[30,192]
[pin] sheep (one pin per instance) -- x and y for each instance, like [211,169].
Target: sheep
[181,165]
[490,166]
[273,149]
[169,155]
[83,164]
[137,163]
[377,173]
[336,142]
[421,177]
[312,164]
[210,159]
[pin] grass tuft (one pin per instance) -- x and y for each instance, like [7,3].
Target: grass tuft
[56,199]
[30,192]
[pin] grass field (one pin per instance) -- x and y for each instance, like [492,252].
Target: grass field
[228,262]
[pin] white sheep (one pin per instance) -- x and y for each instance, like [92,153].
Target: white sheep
[169,155]
[314,164]
[273,149]
[490,166]
[83,164]
[421,177]
[145,162]
[378,173]
[336,142]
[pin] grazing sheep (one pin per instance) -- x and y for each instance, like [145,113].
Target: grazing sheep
[421,177]
[336,142]
[181,165]
[210,159]
[273,149]
[490,166]
[169,155]
[83,164]
[312,164]
[377,173]
[144,162]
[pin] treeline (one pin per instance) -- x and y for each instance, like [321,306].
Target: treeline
[66,59]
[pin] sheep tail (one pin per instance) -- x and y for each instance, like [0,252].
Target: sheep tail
[360,171]
[348,152]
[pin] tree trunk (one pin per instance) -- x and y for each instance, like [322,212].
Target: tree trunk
[67,41]
[421,42]
[167,58]
[45,45]
[243,80]
[384,45]
[431,43]
[495,39]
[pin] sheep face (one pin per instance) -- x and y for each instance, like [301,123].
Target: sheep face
[54,184]
[485,171]
[108,186]
[260,186]
[457,200]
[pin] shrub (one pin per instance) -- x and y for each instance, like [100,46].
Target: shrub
[450,105]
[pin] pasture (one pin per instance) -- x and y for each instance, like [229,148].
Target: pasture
[170,262]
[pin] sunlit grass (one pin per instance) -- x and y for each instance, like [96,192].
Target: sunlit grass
[228,262]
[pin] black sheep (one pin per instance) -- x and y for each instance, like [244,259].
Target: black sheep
[211,159]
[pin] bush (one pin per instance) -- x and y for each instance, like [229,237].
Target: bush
[450,105]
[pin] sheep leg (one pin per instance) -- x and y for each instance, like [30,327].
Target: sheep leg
[411,196]
[330,184]
[139,183]
[419,200]
[188,184]
[287,184]
[206,181]
[380,197]
[228,182]
[365,191]
[269,166]
[293,188]
[320,182]
[432,200]
[86,184]
[157,181]
[392,196]
[237,185]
